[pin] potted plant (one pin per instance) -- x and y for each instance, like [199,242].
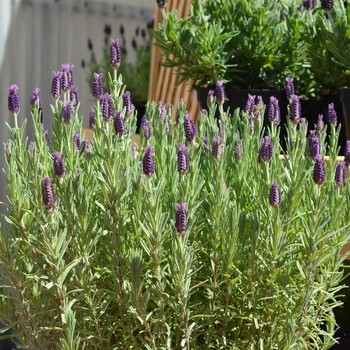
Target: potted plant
[200,237]
[328,41]
[135,76]
[248,45]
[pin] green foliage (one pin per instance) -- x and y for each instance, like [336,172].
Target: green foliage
[329,42]
[108,270]
[255,44]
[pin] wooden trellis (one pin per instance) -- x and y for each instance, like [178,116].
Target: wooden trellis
[163,81]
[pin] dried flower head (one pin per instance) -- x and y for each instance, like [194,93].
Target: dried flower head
[48,194]
[13,99]
[181,218]
[217,148]
[161,3]
[320,123]
[115,55]
[183,163]
[239,149]
[275,195]
[148,163]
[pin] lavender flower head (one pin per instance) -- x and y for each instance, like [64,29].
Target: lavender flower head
[239,149]
[320,123]
[145,126]
[107,107]
[148,163]
[56,88]
[249,106]
[347,153]
[319,171]
[275,195]
[74,96]
[295,109]
[314,145]
[190,128]
[220,92]
[67,112]
[327,5]
[266,150]
[162,112]
[183,163]
[206,144]
[128,103]
[115,55]
[58,164]
[210,98]
[289,88]
[48,194]
[76,141]
[217,148]
[332,115]
[35,99]
[309,4]
[273,111]
[181,218]
[340,173]
[161,4]
[119,125]
[66,76]
[92,118]
[13,99]
[97,86]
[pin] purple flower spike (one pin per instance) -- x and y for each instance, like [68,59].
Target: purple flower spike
[210,98]
[67,112]
[309,4]
[289,88]
[76,140]
[74,96]
[266,150]
[107,107]
[274,112]
[145,125]
[249,106]
[128,103]
[148,164]
[319,171]
[92,118]
[183,163]
[64,77]
[190,128]
[48,194]
[161,4]
[181,218]
[35,99]
[13,99]
[217,148]
[347,153]
[314,145]
[320,123]
[275,195]
[58,164]
[220,92]
[97,86]
[119,125]
[332,115]
[239,149]
[295,109]
[327,5]
[115,56]
[206,144]
[340,173]
[56,88]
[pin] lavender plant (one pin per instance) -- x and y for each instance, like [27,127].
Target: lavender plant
[199,237]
